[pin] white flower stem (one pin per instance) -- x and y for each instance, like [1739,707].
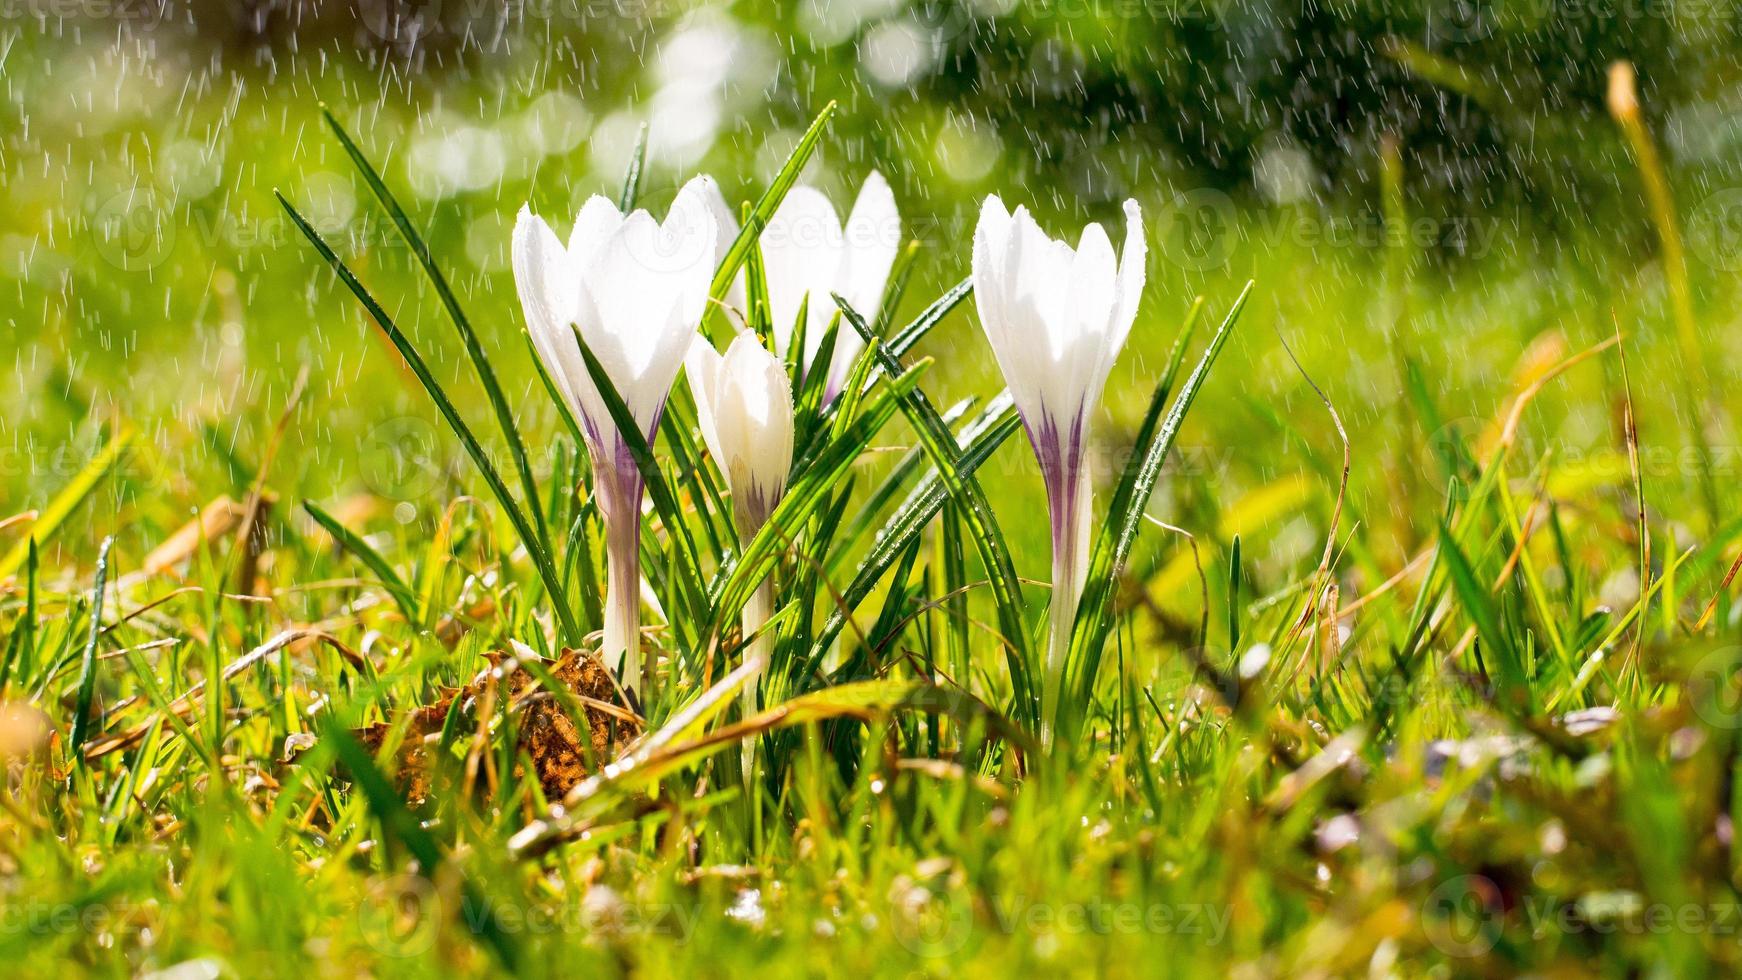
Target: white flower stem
[623,599]
[1070,537]
[757,609]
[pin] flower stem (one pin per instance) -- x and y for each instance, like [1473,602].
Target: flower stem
[623,599]
[1069,510]
[623,594]
[757,609]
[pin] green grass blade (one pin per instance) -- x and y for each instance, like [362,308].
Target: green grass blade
[402,594]
[632,175]
[1234,596]
[905,525]
[468,336]
[931,316]
[88,660]
[1479,607]
[756,292]
[893,482]
[14,643]
[679,425]
[764,210]
[68,500]
[32,569]
[940,444]
[896,288]
[528,534]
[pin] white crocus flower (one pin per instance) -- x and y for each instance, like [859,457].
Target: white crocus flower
[1056,318]
[635,290]
[725,232]
[744,405]
[807,254]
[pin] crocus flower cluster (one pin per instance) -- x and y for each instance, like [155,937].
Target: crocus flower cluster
[635,289]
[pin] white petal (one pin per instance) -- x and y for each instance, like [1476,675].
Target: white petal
[725,233]
[1133,269]
[1036,273]
[702,366]
[873,239]
[598,221]
[643,298]
[1039,271]
[801,252]
[1078,378]
[1017,336]
[759,379]
[623,283]
[1093,272]
[692,227]
[549,287]
[753,405]
[991,239]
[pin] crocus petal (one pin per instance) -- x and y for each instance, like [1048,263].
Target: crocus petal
[597,221]
[643,296]
[756,380]
[744,404]
[623,307]
[873,238]
[801,254]
[991,240]
[1034,281]
[549,289]
[702,367]
[692,228]
[1078,377]
[725,233]
[1133,268]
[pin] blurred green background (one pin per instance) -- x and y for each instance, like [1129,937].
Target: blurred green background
[149,276]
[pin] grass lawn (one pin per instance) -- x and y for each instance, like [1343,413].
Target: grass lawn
[1410,645]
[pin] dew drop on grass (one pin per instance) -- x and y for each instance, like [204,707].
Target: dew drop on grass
[747,908]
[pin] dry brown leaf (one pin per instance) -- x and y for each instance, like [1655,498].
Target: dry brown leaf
[560,752]
[216,519]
